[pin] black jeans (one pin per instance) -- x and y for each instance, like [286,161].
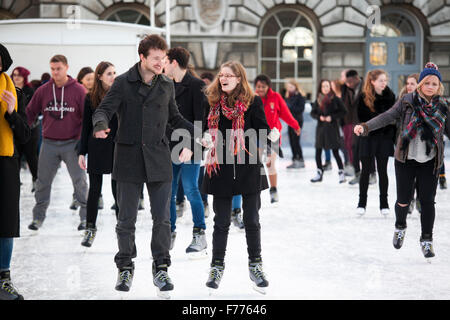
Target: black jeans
[426,181]
[294,141]
[222,208]
[383,181]
[336,156]
[95,189]
[30,151]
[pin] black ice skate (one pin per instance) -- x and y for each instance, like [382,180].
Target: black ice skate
[258,277]
[162,281]
[89,237]
[7,290]
[125,278]
[273,195]
[427,249]
[215,275]
[399,237]
[35,225]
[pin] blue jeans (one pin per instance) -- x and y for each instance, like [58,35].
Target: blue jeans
[6,248]
[180,192]
[327,155]
[237,202]
[189,178]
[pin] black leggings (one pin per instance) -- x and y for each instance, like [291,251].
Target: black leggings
[426,181]
[383,181]
[29,150]
[222,208]
[95,189]
[335,154]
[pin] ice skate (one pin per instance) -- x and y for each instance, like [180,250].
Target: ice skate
[273,195]
[74,205]
[180,208]
[89,237]
[399,237]
[296,164]
[215,276]
[197,248]
[327,166]
[360,211]
[173,237]
[236,218]
[82,225]
[35,225]
[427,249]
[100,203]
[385,212]
[342,178]
[318,177]
[7,290]
[442,182]
[373,178]
[258,277]
[162,281]
[355,180]
[206,209]
[125,278]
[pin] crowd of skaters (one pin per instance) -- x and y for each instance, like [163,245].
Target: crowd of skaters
[88,123]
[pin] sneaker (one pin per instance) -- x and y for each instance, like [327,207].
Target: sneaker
[198,243]
[385,212]
[355,180]
[173,237]
[427,248]
[206,209]
[35,225]
[442,182]
[100,203]
[215,274]
[360,211]
[318,177]
[74,205]
[82,225]
[7,290]
[141,205]
[180,208]
[257,276]
[236,218]
[373,178]
[399,237]
[342,178]
[161,278]
[89,237]
[327,166]
[125,278]
[273,195]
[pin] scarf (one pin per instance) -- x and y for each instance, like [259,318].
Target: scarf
[427,119]
[324,101]
[237,143]
[6,134]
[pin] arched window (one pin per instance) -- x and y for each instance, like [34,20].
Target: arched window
[395,46]
[286,48]
[129,16]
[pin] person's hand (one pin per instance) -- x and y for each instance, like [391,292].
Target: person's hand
[102,134]
[358,130]
[274,135]
[297,132]
[328,118]
[207,141]
[185,155]
[82,162]
[10,100]
[322,118]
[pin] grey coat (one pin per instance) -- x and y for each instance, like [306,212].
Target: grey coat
[402,111]
[143,111]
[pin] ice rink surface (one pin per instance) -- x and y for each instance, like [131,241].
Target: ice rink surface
[314,247]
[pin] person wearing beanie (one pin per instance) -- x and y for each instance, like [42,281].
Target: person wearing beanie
[13,129]
[419,152]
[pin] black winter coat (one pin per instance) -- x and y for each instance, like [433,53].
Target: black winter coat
[100,151]
[190,98]
[379,142]
[328,135]
[296,105]
[142,151]
[9,172]
[245,177]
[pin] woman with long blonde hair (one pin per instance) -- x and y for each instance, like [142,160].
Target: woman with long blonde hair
[419,151]
[376,98]
[231,108]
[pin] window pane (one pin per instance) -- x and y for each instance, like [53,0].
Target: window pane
[304,69]
[269,68]
[271,27]
[143,20]
[287,18]
[299,37]
[287,70]
[406,53]
[393,25]
[128,16]
[378,53]
[269,48]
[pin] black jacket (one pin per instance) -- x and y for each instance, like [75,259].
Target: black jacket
[100,151]
[247,177]
[143,111]
[189,97]
[296,105]
[9,172]
[327,133]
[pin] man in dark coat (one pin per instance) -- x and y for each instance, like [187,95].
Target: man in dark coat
[144,101]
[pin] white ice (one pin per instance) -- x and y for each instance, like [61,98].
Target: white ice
[313,247]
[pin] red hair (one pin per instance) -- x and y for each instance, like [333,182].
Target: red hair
[24,73]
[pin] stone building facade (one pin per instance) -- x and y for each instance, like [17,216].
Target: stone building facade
[305,39]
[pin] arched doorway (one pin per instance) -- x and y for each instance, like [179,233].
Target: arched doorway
[395,46]
[287,49]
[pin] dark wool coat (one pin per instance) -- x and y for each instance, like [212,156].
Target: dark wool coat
[328,136]
[379,142]
[9,172]
[143,111]
[235,177]
[296,104]
[100,151]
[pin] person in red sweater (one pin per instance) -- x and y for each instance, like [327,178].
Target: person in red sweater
[275,108]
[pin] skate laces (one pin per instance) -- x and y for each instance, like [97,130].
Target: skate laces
[257,270]
[216,273]
[8,287]
[400,234]
[427,245]
[162,276]
[125,275]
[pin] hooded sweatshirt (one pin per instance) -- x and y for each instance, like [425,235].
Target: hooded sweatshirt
[59,123]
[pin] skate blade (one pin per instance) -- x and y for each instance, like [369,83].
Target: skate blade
[212,292]
[259,289]
[163,294]
[429,260]
[197,255]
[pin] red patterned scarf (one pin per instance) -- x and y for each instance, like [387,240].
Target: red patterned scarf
[237,143]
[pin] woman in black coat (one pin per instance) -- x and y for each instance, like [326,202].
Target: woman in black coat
[328,110]
[375,98]
[233,166]
[13,130]
[100,151]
